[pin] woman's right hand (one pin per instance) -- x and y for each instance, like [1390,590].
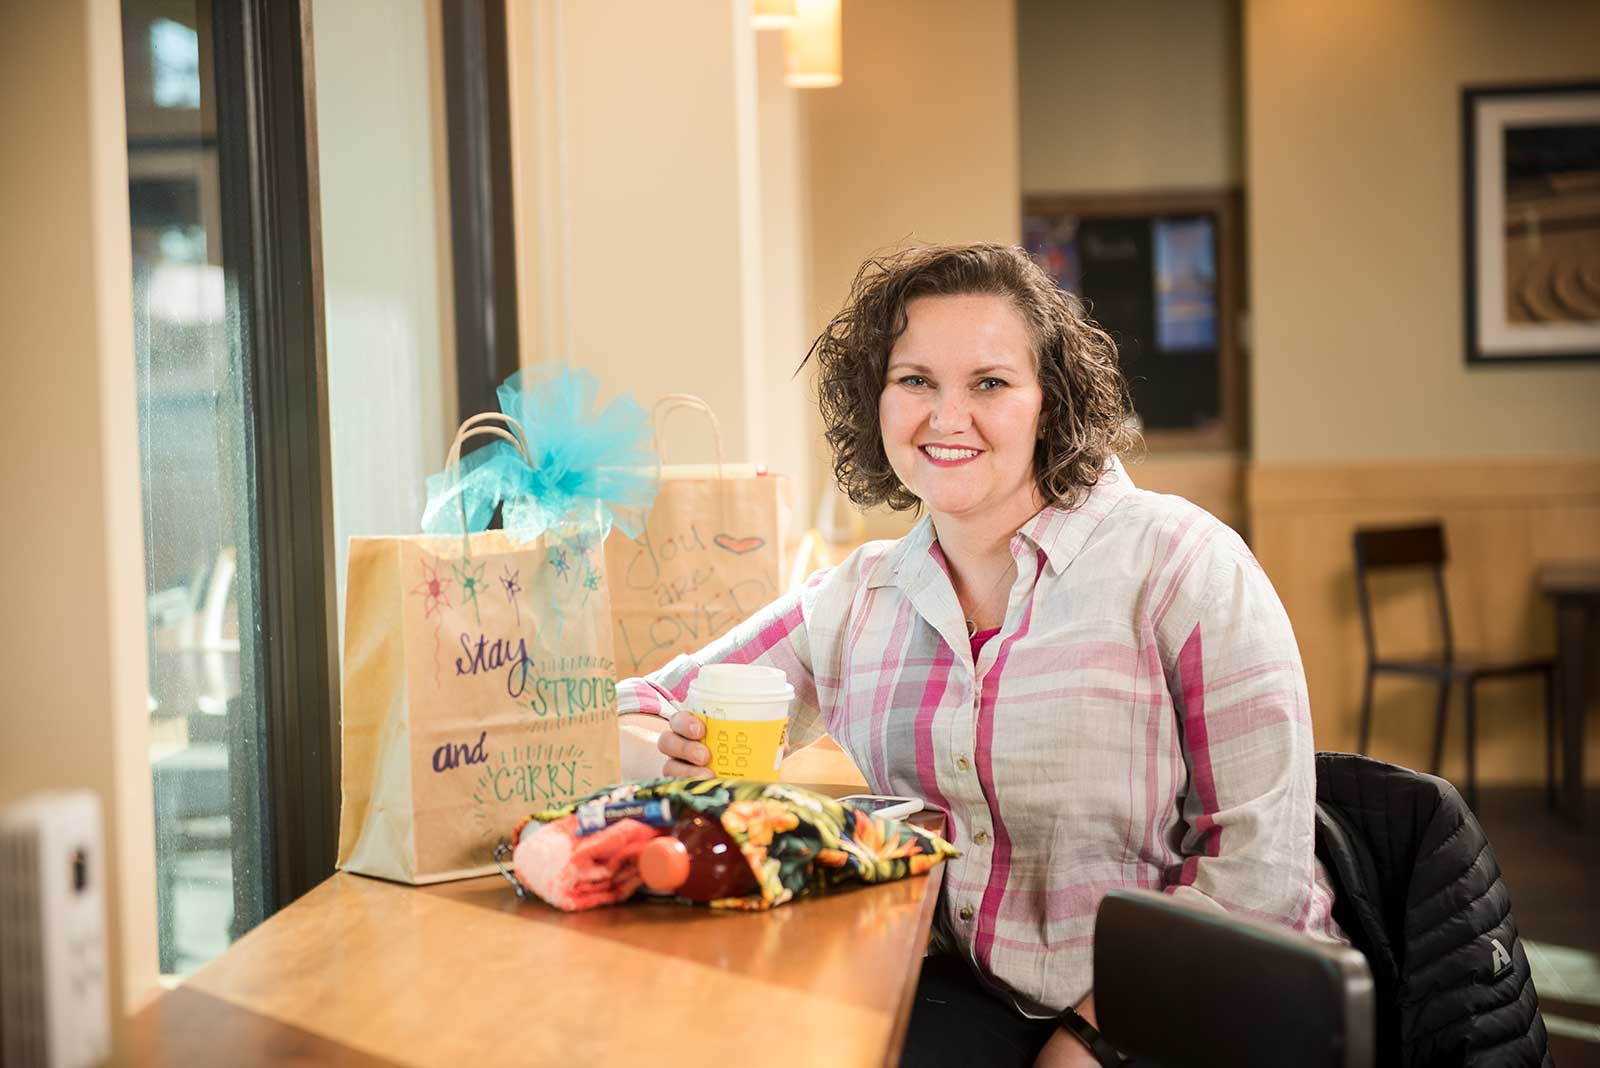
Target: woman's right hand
[681,744]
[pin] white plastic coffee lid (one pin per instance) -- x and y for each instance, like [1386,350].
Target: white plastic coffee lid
[743,682]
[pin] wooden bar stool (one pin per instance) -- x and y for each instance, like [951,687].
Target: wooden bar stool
[1422,547]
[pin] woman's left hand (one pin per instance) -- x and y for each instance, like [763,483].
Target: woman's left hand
[1065,1051]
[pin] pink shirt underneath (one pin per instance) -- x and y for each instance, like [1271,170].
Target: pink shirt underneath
[979,638]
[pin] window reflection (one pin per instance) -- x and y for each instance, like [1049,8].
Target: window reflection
[198,502]
[174,64]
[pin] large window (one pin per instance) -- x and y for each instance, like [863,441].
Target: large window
[233,460]
[199,494]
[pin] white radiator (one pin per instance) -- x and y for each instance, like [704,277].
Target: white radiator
[54,1001]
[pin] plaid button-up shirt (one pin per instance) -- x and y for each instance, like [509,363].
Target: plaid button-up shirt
[1140,720]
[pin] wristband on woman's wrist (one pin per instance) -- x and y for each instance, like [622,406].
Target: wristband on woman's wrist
[1090,1036]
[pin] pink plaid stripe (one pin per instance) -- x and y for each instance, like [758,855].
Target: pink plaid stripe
[1000,870]
[933,698]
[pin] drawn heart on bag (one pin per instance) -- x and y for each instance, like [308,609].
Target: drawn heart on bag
[738,546]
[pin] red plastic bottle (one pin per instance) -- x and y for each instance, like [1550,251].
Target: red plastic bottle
[696,860]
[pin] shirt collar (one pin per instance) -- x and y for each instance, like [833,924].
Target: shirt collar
[1061,532]
[906,556]
[1057,532]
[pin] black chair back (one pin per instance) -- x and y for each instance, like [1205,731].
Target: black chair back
[1418,546]
[1401,548]
[1183,986]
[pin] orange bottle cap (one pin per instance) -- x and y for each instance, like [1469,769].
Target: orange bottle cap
[664,864]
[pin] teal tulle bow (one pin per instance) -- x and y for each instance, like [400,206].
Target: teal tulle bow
[593,469]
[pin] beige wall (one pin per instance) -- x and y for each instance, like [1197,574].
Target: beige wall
[1355,221]
[636,191]
[918,144]
[382,165]
[785,270]
[72,652]
[1129,96]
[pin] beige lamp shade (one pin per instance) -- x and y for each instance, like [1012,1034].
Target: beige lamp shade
[772,14]
[814,45]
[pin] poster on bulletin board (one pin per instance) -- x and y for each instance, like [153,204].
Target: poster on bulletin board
[1158,273]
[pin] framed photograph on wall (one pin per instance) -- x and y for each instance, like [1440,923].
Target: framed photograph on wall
[1531,199]
[1160,273]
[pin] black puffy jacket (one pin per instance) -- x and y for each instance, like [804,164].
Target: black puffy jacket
[1420,894]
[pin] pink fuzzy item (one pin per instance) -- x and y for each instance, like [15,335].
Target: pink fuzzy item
[574,873]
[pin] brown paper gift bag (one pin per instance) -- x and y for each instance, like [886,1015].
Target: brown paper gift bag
[710,555]
[479,686]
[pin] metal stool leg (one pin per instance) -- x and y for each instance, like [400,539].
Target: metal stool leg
[1471,708]
[1366,714]
[1550,738]
[1440,716]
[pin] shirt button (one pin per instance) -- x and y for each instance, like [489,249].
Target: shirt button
[966,912]
[981,837]
[963,764]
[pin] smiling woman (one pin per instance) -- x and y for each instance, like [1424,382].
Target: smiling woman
[1083,406]
[993,395]
[959,411]
[1096,684]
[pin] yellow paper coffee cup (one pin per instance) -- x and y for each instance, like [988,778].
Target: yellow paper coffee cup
[745,709]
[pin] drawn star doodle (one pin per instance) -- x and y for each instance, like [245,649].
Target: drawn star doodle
[509,583]
[472,583]
[591,581]
[558,560]
[574,563]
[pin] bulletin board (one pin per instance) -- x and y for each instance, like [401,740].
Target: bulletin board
[1160,272]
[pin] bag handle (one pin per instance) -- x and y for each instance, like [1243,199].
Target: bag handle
[674,402]
[483,425]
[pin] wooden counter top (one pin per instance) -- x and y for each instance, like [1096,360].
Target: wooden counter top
[368,973]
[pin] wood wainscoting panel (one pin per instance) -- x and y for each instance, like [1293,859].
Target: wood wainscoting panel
[1502,520]
[1213,480]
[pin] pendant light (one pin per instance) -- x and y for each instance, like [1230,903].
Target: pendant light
[813,45]
[772,14]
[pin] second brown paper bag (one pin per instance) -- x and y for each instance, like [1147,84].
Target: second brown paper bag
[710,555]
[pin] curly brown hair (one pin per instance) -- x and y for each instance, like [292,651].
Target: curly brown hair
[1086,407]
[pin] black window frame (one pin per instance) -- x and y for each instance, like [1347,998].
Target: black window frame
[266,123]
[482,221]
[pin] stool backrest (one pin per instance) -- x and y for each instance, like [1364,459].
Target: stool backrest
[1182,986]
[1395,549]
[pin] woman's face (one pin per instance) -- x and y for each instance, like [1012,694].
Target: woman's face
[960,407]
